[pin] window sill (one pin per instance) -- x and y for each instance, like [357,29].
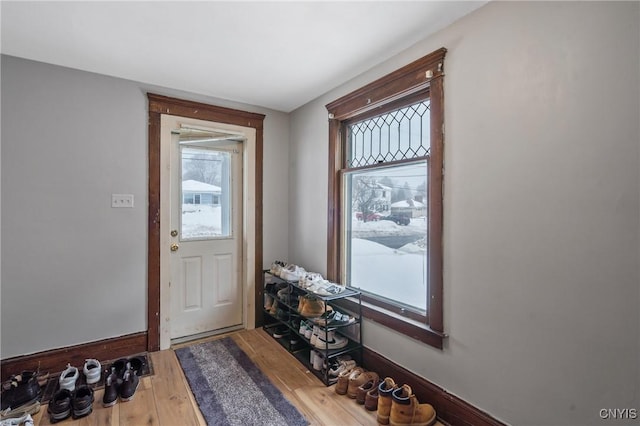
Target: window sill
[406,326]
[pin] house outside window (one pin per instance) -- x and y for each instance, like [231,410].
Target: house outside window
[385,197]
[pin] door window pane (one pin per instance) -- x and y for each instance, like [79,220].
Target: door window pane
[206,206]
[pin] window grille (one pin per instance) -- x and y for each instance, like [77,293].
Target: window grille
[398,135]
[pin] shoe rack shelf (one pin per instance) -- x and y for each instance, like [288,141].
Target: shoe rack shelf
[283,324]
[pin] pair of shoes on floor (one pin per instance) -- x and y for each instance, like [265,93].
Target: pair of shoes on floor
[397,405]
[65,403]
[122,380]
[19,390]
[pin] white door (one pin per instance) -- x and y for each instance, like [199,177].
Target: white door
[206,231]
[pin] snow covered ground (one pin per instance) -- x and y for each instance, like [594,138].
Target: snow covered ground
[386,227]
[201,221]
[399,274]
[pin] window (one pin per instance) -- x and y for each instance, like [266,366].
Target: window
[206,193]
[385,197]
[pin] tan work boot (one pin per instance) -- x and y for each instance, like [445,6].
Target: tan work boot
[385,388]
[406,410]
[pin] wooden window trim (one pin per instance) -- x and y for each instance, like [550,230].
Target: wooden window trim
[424,75]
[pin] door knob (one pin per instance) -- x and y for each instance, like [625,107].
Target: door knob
[174,247]
[174,233]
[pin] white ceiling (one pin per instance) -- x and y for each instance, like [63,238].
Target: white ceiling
[278,55]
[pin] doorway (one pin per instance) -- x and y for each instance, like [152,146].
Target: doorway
[206,198]
[245,145]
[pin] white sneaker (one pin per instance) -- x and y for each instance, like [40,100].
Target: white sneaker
[68,378]
[336,343]
[314,335]
[309,279]
[293,273]
[92,371]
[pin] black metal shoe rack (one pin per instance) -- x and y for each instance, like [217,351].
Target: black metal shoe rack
[286,317]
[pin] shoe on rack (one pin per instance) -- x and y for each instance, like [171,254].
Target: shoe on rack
[92,371]
[326,288]
[334,341]
[313,307]
[129,385]
[60,406]
[342,366]
[268,300]
[385,388]
[406,410]
[292,273]
[282,315]
[20,390]
[357,380]
[68,378]
[276,267]
[309,279]
[318,362]
[286,295]
[110,396]
[314,335]
[274,307]
[82,401]
[280,331]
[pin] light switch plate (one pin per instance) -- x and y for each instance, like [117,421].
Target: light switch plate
[122,200]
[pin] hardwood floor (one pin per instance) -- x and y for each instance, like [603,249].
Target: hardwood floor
[165,398]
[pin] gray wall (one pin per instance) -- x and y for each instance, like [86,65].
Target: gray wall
[73,268]
[541,208]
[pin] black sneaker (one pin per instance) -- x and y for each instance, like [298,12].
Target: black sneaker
[120,367]
[137,364]
[20,390]
[280,331]
[110,388]
[129,385]
[82,402]
[60,406]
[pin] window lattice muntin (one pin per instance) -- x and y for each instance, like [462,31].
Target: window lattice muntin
[398,135]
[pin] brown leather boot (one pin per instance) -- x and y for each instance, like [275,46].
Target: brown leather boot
[357,380]
[385,388]
[406,410]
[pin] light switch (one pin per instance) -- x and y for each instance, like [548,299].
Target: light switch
[122,200]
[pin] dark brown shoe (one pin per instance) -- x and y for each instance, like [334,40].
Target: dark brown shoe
[371,400]
[361,393]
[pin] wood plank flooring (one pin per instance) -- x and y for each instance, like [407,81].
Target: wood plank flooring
[165,398]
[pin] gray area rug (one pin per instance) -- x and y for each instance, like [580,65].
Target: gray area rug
[231,390]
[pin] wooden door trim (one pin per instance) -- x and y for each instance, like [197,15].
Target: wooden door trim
[159,105]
